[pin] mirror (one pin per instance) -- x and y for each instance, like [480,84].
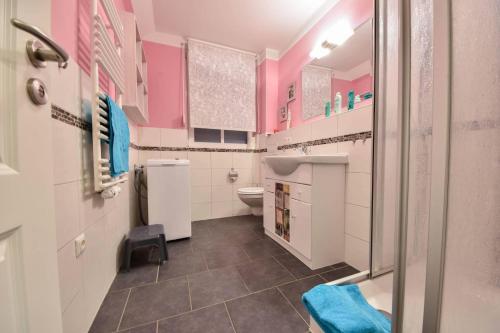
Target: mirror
[343,79]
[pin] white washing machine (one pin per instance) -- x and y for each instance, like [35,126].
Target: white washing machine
[169,196]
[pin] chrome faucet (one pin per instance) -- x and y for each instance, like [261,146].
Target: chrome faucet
[305,149]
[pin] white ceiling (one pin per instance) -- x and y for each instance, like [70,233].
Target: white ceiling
[356,50]
[251,25]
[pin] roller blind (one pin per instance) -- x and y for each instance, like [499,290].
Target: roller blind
[221,87]
[316,90]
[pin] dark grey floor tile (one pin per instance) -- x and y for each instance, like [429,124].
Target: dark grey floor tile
[137,276]
[225,256]
[215,286]
[238,237]
[293,292]
[339,265]
[148,328]
[263,248]
[297,267]
[156,301]
[263,273]
[179,266]
[213,319]
[339,273]
[241,223]
[212,242]
[259,230]
[108,317]
[200,229]
[264,312]
[179,248]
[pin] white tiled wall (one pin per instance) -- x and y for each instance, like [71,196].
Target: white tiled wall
[212,194]
[85,280]
[358,171]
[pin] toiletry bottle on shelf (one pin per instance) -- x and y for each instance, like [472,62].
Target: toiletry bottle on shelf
[328,109]
[338,102]
[350,100]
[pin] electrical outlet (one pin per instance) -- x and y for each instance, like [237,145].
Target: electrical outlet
[80,245]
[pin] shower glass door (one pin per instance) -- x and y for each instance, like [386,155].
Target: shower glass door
[445,132]
[471,284]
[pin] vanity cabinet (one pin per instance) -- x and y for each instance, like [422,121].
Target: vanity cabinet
[304,212]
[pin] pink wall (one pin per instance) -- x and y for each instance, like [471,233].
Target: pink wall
[363,84]
[360,86]
[165,85]
[343,86]
[290,65]
[267,95]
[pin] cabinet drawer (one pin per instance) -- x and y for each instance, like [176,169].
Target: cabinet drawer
[301,192]
[269,185]
[300,227]
[268,211]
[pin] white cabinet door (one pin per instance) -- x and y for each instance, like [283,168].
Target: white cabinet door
[269,214]
[300,227]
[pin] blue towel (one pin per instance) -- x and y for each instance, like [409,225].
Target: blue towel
[119,139]
[343,309]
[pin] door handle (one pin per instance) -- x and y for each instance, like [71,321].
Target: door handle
[37,54]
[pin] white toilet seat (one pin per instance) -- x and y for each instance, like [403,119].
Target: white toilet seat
[251,190]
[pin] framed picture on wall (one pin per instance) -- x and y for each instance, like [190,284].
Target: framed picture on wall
[283,114]
[291,92]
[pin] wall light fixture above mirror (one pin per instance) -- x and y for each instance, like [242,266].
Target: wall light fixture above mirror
[336,36]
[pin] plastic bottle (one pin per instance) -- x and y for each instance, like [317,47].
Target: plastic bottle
[338,102]
[328,109]
[350,100]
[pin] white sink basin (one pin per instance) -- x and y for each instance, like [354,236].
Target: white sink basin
[285,165]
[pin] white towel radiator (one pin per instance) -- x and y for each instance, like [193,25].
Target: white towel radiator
[105,55]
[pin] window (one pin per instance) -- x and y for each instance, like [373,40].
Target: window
[205,135]
[235,137]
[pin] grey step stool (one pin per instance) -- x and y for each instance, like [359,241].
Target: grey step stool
[147,235]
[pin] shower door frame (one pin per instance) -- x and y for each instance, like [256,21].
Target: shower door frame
[441,123]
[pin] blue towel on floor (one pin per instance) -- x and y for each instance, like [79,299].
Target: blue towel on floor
[343,309]
[119,139]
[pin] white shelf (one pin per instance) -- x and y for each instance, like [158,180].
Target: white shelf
[135,102]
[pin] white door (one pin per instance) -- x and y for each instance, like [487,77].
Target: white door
[29,292]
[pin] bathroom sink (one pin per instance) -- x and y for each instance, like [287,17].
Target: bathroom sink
[285,165]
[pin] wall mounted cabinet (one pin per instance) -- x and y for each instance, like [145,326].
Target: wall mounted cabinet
[135,100]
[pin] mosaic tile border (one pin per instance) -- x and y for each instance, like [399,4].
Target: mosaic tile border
[342,138]
[60,114]
[64,116]
[200,149]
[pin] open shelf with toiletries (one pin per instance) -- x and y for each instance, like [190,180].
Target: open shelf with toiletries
[135,102]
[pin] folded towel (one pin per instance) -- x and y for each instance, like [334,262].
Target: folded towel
[343,309]
[119,139]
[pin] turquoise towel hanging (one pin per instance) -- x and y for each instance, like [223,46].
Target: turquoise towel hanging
[119,139]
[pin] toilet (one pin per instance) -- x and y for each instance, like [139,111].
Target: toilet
[253,197]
